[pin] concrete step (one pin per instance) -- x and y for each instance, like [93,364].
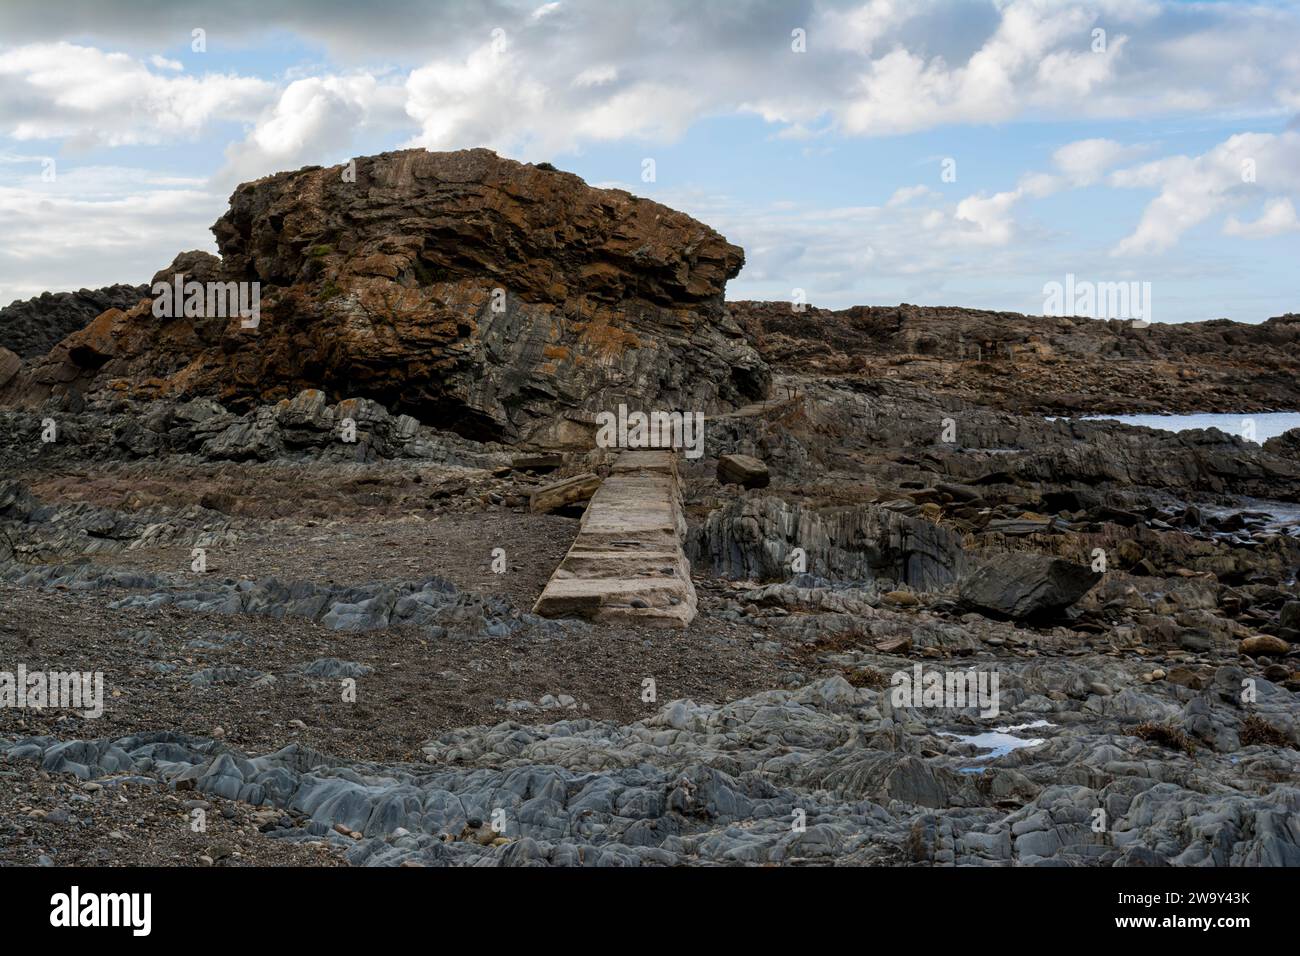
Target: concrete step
[627,561]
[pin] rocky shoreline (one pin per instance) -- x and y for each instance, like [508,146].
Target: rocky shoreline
[883,495]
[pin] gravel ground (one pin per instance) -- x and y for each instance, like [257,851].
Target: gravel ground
[414,690]
[240,678]
[53,820]
[779,679]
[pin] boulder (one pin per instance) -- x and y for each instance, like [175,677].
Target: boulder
[1025,586]
[1019,527]
[305,419]
[742,470]
[1264,645]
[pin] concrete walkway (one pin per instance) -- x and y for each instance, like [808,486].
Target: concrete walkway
[627,562]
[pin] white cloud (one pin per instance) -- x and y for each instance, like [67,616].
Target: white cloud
[860,27]
[596,76]
[315,120]
[492,99]
[1278,218]
[1084,162]
[990,220]
[991,217]
[1196,188]
[1037,57]
[906,194]
[849,255]
[585,71]
[89,97]
[486,99]
[100,224]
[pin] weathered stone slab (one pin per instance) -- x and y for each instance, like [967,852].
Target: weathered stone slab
[567,491]
[627,560]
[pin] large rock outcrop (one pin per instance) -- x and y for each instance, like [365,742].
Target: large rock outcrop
[502,300]
[755,538]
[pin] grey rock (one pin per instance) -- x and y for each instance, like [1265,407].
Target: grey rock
[1025,586]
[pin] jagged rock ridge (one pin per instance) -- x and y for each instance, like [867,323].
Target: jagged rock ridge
[31,327]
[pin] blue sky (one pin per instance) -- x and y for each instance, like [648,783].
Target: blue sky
[1115,156]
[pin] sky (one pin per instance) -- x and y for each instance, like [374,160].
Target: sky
[863,152]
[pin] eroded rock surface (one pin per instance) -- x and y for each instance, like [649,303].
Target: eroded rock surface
[874,783]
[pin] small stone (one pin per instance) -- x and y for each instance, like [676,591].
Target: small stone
[1264,644]
[1186,677]
[1278,673]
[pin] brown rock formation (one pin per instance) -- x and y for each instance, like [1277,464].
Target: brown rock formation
[498,299]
